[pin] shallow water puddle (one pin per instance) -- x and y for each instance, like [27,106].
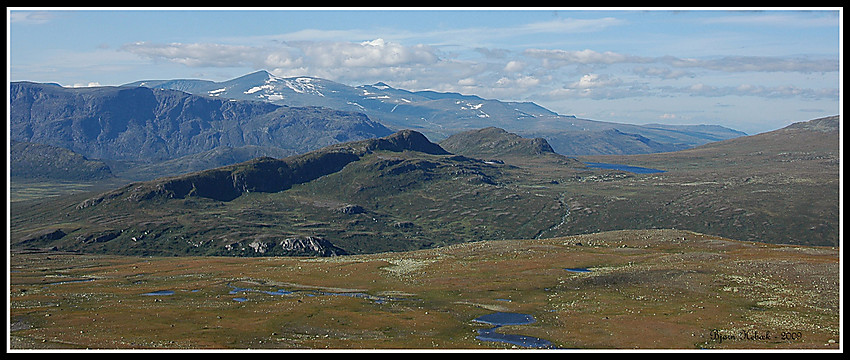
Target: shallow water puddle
[159,293]
[70,281]
[280,292]
[376,299]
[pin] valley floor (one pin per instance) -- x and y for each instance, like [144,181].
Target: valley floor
[647,289]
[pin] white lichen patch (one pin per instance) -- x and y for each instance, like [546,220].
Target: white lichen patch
[406,266]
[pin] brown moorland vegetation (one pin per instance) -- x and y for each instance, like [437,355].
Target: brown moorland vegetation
[648,289]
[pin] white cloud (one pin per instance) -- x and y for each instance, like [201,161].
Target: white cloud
[586,56]
[91,84]
[197,54]
[514,66]
[367,54]
[510,75]
[595,81]
[559,58]
[523,82]
[467,82]
[30,17]
[600,86]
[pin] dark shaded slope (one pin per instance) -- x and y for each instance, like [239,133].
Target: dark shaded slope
[31,161]
[396,193]
[267,174]
[494,142]
[497,144]
[780,186]
[218,157]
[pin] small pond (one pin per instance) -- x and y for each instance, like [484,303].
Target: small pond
[500,319]
[159,293]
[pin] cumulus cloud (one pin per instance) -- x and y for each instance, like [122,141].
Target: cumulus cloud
[315,58]
[467,82]
[520,82]
[367,54]
[600,86]
[595,81]
[514,66]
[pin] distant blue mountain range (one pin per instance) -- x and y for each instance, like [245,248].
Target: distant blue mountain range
[439,115]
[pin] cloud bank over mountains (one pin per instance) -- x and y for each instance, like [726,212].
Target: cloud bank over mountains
[596,64]
[429,67]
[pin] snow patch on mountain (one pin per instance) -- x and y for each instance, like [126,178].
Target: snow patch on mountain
[216,92]
[465,105]
[259,88]
[303,85]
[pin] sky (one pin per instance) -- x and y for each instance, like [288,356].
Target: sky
[750,69]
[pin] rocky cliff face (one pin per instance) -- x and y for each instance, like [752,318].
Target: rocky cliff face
[292,246]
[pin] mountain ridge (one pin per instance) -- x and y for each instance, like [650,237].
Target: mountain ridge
[439,115]
[143,124]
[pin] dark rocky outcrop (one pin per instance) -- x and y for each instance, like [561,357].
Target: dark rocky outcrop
[290,246]
[310,245]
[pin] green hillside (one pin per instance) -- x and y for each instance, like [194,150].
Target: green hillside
[396,193]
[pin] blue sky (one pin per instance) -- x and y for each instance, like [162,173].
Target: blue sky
[753,70]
